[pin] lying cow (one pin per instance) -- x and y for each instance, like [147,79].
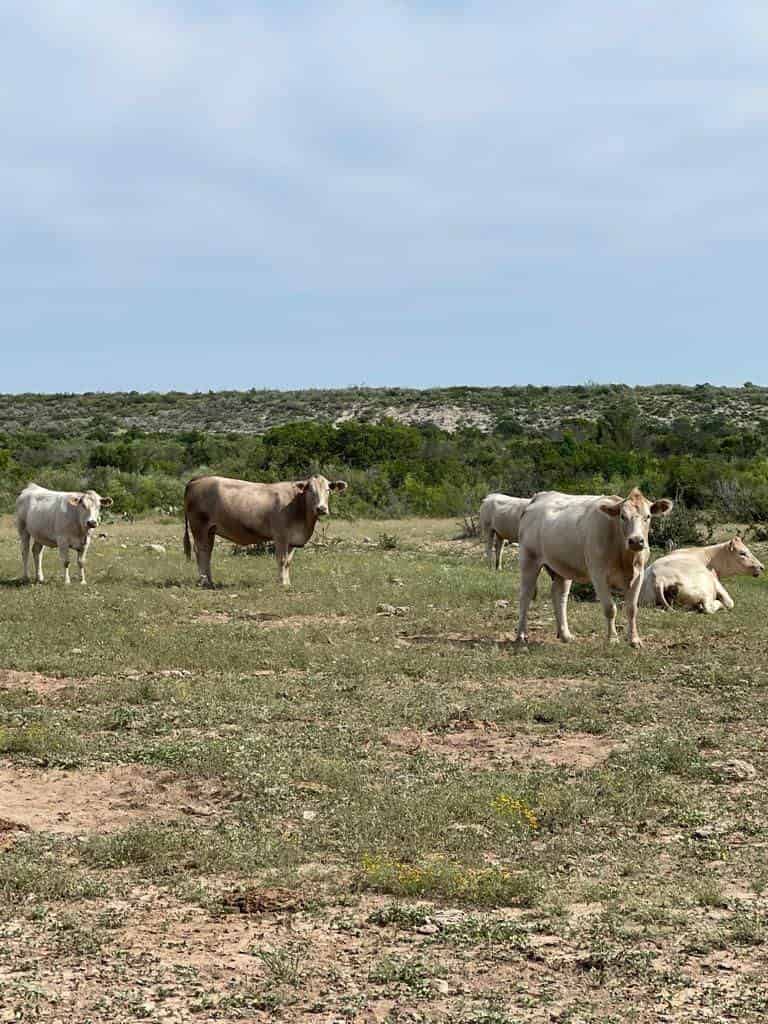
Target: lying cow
[250,513]
[691,576]
[602,540]
[499,521]
[57,519]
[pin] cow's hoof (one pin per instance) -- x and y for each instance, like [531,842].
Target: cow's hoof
[521,640]
[565,638]
[637,643]
[613,639]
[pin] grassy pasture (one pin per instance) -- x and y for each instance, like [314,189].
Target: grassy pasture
[250,804]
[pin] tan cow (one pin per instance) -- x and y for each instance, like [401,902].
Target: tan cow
[499,521]
[691,576]
[588,538]
[250,513]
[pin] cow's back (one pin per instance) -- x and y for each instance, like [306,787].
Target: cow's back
[568,533]
[502,512]
[243,511]
[43,513]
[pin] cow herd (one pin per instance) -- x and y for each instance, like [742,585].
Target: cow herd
[602,540]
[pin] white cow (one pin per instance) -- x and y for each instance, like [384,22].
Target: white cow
[499,521]
[691,576]
[56,519]
[589,538]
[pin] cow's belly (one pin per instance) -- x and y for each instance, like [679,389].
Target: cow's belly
[43,537]
[241,535]
[567,569]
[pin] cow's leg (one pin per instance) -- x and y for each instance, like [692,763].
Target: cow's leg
[490,542]
[661,597]
[24,538]
[204,541]
[631,600]
[530,567]
[284,554]
[81,564]
[37,558]
[723,595]
[561,588]
[498,544]
[64,555]
[605,597]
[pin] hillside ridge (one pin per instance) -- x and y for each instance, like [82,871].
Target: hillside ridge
[254,411]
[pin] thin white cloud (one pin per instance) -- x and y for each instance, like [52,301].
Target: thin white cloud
[374,145]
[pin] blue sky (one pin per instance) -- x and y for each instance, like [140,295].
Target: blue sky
[200,195]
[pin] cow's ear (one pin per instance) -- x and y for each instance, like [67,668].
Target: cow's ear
[338,485]
[732,544]
[301,485]
[611,510]
[74,500]
[106,502]
[662,507]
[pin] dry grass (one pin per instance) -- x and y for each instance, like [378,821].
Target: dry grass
[247,804]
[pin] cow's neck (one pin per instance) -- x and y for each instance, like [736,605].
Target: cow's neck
[712,553]
[309,516]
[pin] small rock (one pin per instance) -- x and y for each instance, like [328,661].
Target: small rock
[428,929]
[157,548]
[447,918]
[442,986]
[102,536]
[367,540]
[502,603]
[707,832]
[735,770]
[309,815]
[392,609]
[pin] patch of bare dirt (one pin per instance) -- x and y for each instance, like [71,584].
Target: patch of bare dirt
[10,679]
[263,901]
[469,639]
[269,620]
[76,802]
[527,686]
[483,744]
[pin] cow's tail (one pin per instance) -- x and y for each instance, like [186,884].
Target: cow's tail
[187,543]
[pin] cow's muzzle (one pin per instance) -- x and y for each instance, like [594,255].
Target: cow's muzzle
[91,524]
[322,510]
[636,543]
[758,570]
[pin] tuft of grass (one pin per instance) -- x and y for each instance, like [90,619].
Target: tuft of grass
[388,541]
[491,886]
[283,966]
[400,915]
[411,972]
[33,870]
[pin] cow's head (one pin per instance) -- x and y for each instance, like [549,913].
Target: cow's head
[741,560]
[89,505]
[317,493]
[634,516]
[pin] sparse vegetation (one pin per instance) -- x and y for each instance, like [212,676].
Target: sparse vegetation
[462,830]
[432,453]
